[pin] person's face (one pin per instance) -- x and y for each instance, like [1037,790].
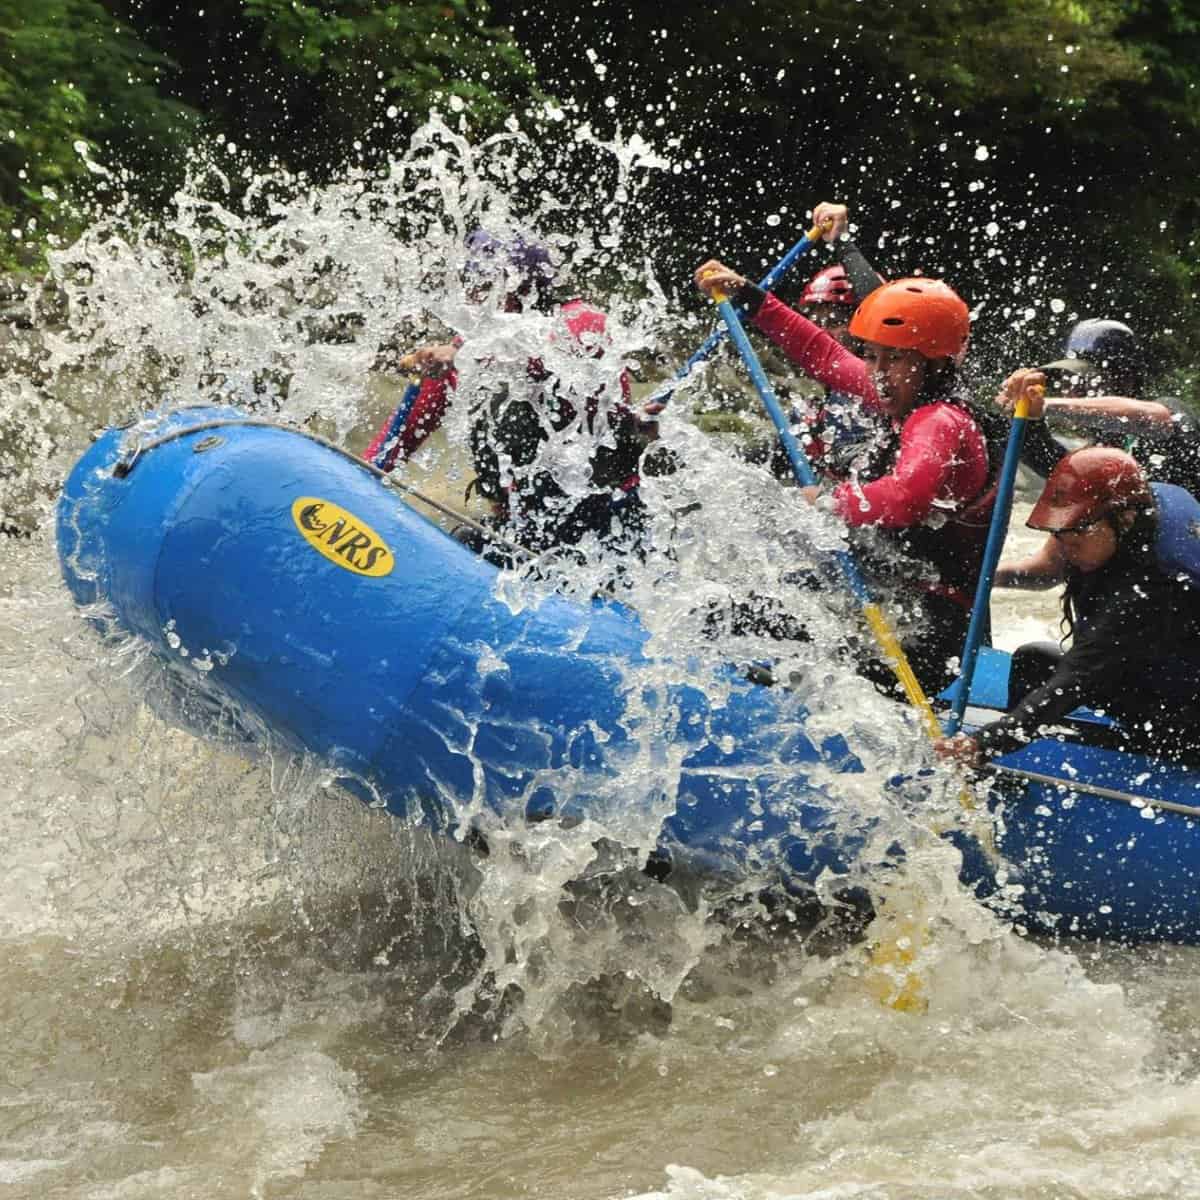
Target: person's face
[834,319]
[1089,547]
[898,376]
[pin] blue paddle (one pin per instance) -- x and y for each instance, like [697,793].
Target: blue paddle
[397,423]
[657,401]
[997,531]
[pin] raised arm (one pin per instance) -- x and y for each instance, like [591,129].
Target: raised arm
[1113,414]
[834,220]
[807,345]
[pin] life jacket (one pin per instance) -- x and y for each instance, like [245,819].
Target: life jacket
[849,436]
[1177,542]
[507,432]
[950,541]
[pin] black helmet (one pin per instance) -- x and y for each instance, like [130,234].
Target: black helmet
[1107,350]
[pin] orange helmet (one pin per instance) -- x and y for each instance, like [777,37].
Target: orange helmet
[1086,485]
[925,315]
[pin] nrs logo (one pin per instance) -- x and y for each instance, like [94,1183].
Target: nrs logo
[342,537]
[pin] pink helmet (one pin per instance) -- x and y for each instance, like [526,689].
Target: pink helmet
[1088,484]
[830,286]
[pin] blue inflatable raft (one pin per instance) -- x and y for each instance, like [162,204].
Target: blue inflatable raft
[310,596]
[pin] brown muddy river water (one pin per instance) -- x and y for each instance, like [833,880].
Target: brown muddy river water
[222,978]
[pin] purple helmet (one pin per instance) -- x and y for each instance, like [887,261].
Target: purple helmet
[487,255]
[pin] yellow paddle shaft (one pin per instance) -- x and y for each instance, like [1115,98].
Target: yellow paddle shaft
[889,643]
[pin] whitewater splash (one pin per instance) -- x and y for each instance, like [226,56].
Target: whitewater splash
[224,975]
[287,298]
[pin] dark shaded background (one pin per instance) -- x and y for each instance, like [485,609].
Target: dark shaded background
[1088,184]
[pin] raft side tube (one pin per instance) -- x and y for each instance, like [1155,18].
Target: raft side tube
[356,629]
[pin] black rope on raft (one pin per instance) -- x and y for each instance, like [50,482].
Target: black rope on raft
[126,463]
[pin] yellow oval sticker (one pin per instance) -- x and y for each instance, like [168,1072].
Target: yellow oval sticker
[342,537]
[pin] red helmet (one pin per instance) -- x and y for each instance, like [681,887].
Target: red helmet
[925,315]
[1086,485]
[829,286]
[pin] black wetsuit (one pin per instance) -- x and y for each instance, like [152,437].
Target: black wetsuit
[863,277]
[1135,654]
[537,512]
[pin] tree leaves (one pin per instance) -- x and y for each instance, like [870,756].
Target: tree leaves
[69,74]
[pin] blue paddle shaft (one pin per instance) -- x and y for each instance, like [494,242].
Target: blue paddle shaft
[991,558]
[397,423]
[784,265]
[801,467]
[714,339]
[737,334]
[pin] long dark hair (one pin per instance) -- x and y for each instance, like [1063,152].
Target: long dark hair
[1070,606]
[940,382]
[1136,538]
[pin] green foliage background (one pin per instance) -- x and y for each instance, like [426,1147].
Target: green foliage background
[1089,112]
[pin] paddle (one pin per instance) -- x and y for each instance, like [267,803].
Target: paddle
[997,530]
[396,425]
[894,982]
[657,401]
[880,626]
